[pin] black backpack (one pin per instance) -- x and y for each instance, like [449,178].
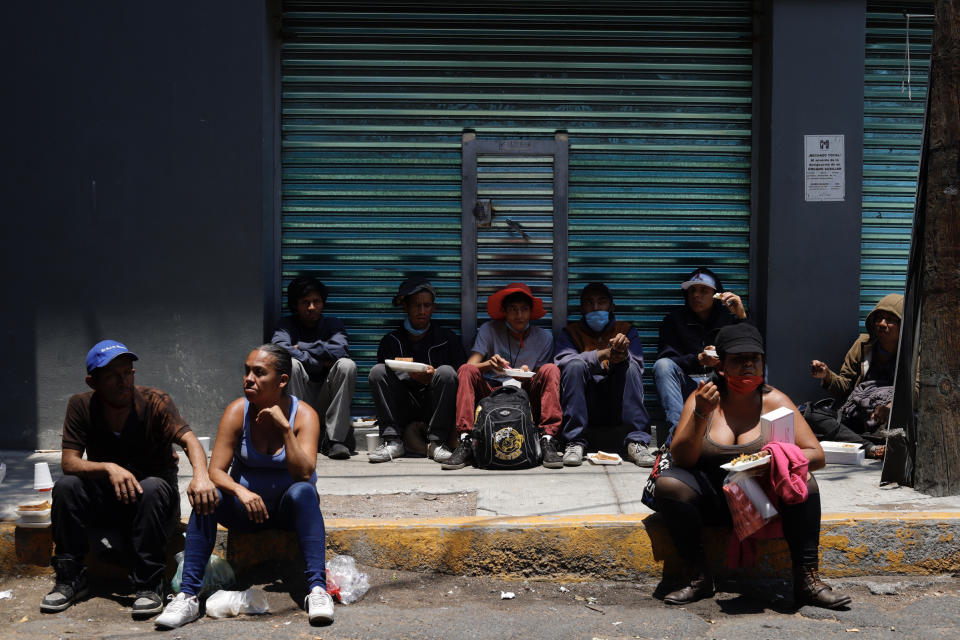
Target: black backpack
[504,433]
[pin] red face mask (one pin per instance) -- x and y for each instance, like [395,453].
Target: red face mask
[744,384]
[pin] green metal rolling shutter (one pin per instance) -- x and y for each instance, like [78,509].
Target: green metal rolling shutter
[655,97]
[893,134]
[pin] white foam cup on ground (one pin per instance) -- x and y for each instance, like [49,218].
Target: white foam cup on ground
[41,477]
[373,441]
[205,443]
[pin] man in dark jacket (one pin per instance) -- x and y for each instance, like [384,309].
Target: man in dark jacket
[323,373]
[401,393]
[685,353]
[601,377]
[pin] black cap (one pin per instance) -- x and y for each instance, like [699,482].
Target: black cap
[742,337]
[410,286]
[596,287]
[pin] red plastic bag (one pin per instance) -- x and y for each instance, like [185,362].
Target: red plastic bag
[746,517]
[332,587]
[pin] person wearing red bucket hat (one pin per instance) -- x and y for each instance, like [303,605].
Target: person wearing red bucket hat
[508,342]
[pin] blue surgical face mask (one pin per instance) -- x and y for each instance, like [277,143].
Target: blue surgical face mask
[597,320]
[411,330]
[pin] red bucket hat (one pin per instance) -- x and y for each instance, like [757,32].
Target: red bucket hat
[495,301]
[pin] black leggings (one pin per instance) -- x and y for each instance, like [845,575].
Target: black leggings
[689,499]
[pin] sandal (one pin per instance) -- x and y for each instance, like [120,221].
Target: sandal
[876,451]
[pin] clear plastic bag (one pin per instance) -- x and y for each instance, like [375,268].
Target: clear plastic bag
[218,575]
[344,581]
[750,507]
[226,604]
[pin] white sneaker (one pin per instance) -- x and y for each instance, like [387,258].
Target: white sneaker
[438,452]
[387,451]
[181,610]
[319,605]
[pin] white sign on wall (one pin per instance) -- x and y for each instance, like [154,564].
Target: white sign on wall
[823,175]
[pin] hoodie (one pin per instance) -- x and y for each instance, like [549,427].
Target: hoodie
[859,358]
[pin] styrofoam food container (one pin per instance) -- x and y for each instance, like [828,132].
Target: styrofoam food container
[843,452]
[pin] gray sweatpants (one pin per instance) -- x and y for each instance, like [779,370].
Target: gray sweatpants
[331,399]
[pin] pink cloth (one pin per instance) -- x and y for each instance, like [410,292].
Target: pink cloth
[787,481]
[788,471]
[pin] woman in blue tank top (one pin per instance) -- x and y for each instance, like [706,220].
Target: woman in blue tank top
[264,466]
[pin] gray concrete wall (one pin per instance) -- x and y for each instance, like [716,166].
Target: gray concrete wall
[134,190]
[808,253]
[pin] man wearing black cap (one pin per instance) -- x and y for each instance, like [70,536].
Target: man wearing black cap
[128,479]
[323,373]
[601,377]
[402,394]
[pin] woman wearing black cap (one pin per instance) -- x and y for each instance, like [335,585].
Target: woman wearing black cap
[720,421]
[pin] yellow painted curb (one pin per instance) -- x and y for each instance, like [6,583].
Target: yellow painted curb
[620,547]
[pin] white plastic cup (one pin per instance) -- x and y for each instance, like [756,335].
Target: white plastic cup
[41,477]
[205,443]
[373,441]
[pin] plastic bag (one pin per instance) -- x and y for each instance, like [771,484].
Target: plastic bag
[749,505]
[344,581]
[226,604]
[218,575]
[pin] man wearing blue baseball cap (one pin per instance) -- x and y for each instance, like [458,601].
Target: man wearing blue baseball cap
[128,479]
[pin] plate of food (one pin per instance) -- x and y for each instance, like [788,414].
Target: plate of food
[518,373]
[34,512]
[747,461]
[407,366]
[602,457]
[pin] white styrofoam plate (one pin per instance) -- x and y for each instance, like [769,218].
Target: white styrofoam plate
[592,457]
[34,516]
[409,367]
[29,524]
[743,466]
[518,373]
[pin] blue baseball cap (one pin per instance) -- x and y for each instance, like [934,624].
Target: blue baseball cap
[103,352]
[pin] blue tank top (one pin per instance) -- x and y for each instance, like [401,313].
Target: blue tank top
[263,474]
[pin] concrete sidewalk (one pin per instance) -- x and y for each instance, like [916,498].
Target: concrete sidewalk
[576,521]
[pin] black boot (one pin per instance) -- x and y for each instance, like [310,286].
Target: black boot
[462,455]
[70,586]
[808,588]
[552,459]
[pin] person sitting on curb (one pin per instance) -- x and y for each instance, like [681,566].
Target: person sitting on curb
[264,468]
[719,422]
[601,377]
[401,397]
[509,341]
[323,374]
[685,354]
[127,481]
[865,381]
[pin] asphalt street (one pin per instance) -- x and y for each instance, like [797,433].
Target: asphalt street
[414,605]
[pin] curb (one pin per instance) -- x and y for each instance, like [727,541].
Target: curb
[615,547]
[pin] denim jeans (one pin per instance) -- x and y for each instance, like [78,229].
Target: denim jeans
[673,387]
[297,509]
[615,398]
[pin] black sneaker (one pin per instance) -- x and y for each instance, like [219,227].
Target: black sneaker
[71,586]
[462,455]
[552,459]
[338,451]
[148,603]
